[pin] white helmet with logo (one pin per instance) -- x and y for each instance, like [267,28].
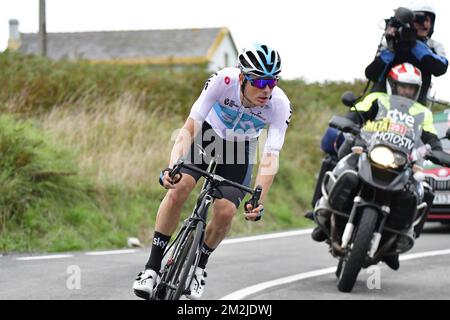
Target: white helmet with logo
[404,73]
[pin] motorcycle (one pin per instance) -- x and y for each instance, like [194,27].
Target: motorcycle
[372,199]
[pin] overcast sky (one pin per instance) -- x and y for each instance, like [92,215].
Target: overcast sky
[317,39]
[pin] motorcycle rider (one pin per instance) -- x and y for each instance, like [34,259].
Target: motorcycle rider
[418,49]
[422,51]
[403,80]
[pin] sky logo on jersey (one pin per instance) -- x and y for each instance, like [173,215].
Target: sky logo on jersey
[249,123]
[238,121]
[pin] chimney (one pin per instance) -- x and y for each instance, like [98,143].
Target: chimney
[14,35]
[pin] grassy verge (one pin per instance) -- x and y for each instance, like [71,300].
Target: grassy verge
[83,145]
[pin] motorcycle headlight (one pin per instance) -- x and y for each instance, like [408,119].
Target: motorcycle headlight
[399,159]
[387,158]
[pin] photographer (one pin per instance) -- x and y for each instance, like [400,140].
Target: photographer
[407,38]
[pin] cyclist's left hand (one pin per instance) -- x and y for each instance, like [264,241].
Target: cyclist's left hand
[253,214]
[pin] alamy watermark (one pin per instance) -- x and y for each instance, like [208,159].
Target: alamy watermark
[374,279]
[73,282]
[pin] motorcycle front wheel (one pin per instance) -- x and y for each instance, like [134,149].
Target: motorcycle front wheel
[351,263]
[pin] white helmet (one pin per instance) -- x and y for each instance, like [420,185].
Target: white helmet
[260,61]
[404,73]
[420,7]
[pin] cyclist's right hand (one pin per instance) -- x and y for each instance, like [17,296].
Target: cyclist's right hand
[166,181]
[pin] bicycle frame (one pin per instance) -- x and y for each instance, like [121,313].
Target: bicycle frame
[199,211]
[185,252]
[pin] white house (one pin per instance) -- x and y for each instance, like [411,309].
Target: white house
[214,47]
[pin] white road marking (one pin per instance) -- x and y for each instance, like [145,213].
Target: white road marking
[65,256]
[55,256]
[110,252]
[245,292]
[268,236]
[424,254]
[127,251]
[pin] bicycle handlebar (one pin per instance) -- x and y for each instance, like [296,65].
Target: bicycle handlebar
[256,193]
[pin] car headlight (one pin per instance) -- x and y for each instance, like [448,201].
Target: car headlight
[387,158]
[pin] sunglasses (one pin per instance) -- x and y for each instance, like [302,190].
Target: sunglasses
[262,83]
[420,18]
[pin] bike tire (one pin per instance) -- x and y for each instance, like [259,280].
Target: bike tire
[178,256]
[186,267]
[339,267]
[352,264]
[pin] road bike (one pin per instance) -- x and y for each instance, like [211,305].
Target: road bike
[182,256]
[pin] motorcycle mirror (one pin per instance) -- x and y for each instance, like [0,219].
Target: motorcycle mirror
[343,124]
[349,99]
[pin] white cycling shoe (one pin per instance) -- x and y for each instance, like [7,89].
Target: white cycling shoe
[145,284]
[197,284]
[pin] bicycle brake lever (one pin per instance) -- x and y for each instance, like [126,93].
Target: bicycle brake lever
[255,198]
[175,171]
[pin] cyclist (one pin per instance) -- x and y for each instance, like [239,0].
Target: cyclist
[225,123]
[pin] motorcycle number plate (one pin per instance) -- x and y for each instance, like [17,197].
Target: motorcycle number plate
[442,198]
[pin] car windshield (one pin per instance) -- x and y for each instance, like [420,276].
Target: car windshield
[441,128]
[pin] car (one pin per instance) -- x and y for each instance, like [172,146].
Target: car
[439,177]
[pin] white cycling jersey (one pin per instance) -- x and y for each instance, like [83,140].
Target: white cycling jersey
[220,105]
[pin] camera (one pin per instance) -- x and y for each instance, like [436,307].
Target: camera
[402,21]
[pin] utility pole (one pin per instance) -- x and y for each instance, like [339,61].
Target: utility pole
[42,29]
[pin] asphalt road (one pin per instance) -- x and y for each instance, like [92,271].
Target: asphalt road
[281,266]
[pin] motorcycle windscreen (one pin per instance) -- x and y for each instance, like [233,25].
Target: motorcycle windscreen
[398,125]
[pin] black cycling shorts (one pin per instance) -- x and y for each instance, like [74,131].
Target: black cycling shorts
[234,160]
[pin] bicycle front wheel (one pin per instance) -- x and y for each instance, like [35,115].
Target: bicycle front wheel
[184,259]
[188,267]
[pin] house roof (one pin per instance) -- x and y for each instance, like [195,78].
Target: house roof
[141,46]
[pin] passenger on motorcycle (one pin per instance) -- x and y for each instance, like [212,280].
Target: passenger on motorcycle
[418,49]
[403,80]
